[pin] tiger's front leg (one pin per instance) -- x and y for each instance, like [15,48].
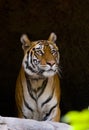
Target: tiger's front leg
[53,115]
[57,116]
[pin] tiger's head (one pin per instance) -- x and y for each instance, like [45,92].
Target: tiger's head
[41,58]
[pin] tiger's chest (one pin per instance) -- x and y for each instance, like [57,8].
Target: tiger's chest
[41,109]
[39,101]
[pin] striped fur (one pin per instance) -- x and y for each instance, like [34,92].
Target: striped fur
[38,85]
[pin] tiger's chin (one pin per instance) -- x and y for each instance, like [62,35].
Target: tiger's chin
[49,74]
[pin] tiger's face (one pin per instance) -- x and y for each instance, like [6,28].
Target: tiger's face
[41,58]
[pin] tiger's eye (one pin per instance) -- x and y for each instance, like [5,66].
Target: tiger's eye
[36,61]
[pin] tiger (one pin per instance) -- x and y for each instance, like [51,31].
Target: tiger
[38,83]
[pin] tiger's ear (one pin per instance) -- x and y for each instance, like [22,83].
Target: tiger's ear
[25,41]
[52,37]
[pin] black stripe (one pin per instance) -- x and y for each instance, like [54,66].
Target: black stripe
[38,89]
[25,116]
[48,114]
[31,60]
[26,104]
[30,68]
[44,84]
[40,71]
[30,89]
[48,99]
[27,65]
[26,62]
[33,97]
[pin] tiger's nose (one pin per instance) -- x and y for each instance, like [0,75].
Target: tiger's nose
[51,63]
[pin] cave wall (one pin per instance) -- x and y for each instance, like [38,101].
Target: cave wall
[69,19]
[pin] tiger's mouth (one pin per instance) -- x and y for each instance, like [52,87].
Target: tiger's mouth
[51,70]
[47,73]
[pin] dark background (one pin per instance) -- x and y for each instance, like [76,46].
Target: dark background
[69,19]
